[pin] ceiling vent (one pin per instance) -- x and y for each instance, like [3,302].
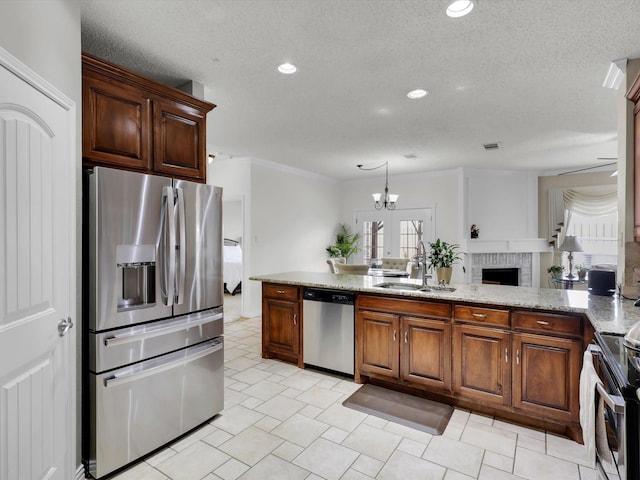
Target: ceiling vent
[492,146]
[411,156]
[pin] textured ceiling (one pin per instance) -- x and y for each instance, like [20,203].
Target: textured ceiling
[525,73]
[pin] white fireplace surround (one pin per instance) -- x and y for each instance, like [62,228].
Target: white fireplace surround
[523,254]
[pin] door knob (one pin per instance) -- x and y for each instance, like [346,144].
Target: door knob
[64,325]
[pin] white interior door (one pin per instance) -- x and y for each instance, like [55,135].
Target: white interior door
[393,233]
[37,277]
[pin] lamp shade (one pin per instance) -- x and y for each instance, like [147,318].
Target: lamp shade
[570,244]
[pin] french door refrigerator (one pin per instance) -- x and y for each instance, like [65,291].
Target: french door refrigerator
[153,336]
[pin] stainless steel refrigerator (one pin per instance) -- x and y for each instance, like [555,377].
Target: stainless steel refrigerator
[153,294]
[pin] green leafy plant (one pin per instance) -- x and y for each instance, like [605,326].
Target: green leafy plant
[582,268]
[444,254]
[346,243]
[555,270]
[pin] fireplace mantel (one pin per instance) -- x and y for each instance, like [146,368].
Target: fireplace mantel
[516,245]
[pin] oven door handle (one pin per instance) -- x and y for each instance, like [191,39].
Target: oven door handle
[614,402]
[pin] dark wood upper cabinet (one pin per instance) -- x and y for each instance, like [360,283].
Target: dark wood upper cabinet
[133,123]
[634,95]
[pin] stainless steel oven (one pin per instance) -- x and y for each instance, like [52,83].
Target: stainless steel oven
[619,457]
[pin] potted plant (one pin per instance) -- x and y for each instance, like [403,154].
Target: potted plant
[442,257]
[346,243]
[582,271]
[555,271]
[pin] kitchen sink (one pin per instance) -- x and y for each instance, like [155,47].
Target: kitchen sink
[414,288]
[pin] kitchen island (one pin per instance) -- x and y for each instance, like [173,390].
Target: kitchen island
[511,352]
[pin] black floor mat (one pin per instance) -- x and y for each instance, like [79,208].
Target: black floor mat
[415,412]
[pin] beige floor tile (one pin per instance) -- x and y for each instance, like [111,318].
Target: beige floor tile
[238,386]
[375,421]
[342,417]
[459,418]
[291,392]
[412,447]
[240,363]
[490,438]
[193,462]
[519,429]
[534,466]
[532,443]
[193,437]
[319,397]
[251,403]
[300,430]
[367,465]
[480,418]
[280,407]
[161,456]
[501,462]
[355,475]
[217,438]
[412,433]
[326,459]
[459,456]
[251,445]
[453,432]
[347,387]
[402,465]
[272,467]
[264,390]
[232,397]
[141,471]
[335,434]
[267,423]
[490,473]
[288,451]
[566,449]
[300,381]
[236,419]
[310,411]
[453,475]
[372,441]
[251,376]
[231,469]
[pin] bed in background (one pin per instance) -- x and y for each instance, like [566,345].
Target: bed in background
[232,266]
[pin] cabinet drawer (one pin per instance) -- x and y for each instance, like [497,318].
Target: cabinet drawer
[547,323]
[280,291]
[485,316]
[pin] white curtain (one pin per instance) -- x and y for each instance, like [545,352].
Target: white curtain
[591,201]
[556,210]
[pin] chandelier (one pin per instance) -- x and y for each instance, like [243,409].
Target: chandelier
[383,200]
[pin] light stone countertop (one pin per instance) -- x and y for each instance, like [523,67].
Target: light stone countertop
[607,314]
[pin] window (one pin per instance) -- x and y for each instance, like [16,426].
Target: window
[598,237]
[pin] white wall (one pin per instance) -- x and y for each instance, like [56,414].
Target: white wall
[45,35]
[502,204]
[289,218]
[233,220]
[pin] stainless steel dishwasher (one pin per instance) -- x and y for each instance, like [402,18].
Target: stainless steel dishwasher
[328,329]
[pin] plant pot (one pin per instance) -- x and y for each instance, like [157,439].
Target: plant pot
[582,275]
[444,273]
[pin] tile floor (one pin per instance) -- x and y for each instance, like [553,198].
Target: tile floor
[281,422]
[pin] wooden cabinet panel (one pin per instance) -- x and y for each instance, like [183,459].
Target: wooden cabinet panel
[481,368]
[115,125]
[377,349]
[547,323]
[134,123]
[426,352]
[179,145]
[281,323]
[485,316]
[546,375]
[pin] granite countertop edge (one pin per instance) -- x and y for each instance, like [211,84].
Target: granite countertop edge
[607,314]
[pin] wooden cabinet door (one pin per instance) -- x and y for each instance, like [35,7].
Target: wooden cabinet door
[116,125]
[546,373]
[481,364]
[377,349]
[179,140]
[281,332]
[425,348]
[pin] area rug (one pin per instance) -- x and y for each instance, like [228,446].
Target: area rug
[415,412]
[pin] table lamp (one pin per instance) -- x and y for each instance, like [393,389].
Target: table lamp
[570,245]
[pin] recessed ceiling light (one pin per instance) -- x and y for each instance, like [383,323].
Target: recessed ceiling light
[419,93]
[459,8]
[287,68]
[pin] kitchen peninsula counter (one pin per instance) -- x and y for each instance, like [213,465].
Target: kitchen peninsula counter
[607,314]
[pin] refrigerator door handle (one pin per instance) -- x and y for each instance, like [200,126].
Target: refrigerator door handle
[169,258]
[206,349]
[134,337]
[182,247]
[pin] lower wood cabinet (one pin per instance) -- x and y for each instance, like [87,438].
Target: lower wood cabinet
[546,375]
[281,323]
[404,347]
[481,364]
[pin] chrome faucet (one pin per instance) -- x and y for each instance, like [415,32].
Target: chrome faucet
[421,256]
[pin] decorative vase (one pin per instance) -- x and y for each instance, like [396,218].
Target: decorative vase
[582,274]
[444,273]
